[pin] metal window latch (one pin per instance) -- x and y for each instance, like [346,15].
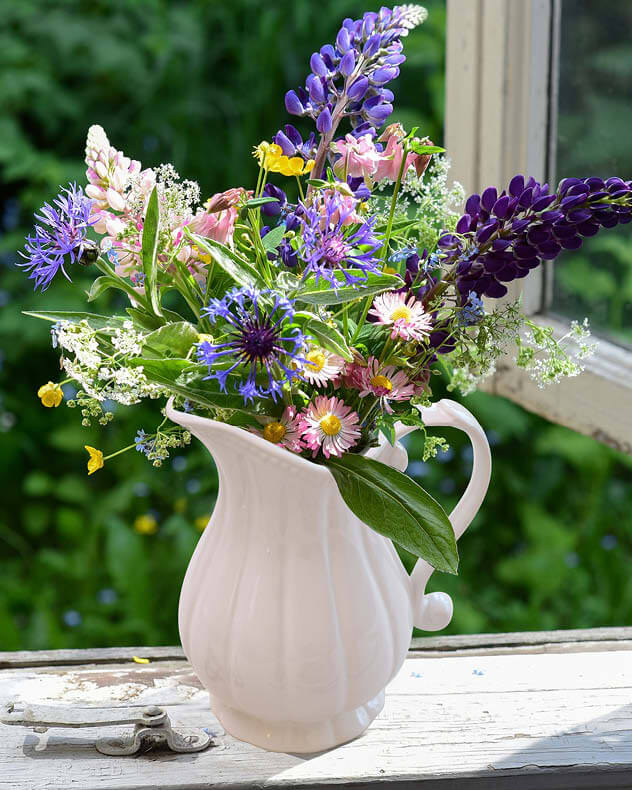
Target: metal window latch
[152,726]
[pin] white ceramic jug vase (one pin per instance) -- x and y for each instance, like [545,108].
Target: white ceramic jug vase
[294,614]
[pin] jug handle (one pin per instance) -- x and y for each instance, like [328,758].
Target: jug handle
[433,611]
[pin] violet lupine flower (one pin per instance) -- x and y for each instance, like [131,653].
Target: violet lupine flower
[273,209]
[60,238]
[292,144]
[503,237]
[366,57]
[258,338]
[328,246]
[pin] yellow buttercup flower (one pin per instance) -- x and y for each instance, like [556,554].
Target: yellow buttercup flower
[267,154]
[95,462]
[50,394]
[200,255]
[292,166]
[146,524]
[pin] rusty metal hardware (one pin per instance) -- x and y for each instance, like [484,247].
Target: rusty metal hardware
[152,726]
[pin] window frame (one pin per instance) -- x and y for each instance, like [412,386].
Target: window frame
[501,100]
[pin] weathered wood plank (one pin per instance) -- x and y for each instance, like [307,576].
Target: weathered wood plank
[589,639]
[101,655]
[526,721]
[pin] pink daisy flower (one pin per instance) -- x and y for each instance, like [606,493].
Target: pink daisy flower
[321,366]
[407,317]
[285,431]
[331,425]
[386,383]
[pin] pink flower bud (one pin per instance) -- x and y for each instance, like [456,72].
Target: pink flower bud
[118,179]
[95,192]
[116,201]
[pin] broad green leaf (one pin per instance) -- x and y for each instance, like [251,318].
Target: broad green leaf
[166,373]
[322,292]
[422,148]
[149,250]
[94,320]
[148,321]
[260,201]
[327,336]
[100,285]
[144,320]
[174,340]
[272,239]
[392,504]
[234,265]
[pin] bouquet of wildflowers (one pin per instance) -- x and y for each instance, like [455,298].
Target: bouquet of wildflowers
[313,307]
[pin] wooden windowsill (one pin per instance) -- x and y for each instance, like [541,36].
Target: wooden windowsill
[527,710]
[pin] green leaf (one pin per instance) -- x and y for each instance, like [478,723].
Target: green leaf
[272,239]
[149,250]
[100,285]
[327,336]
[166,373]
[322,292]
[144,320]
[239,269]
[94,320]
[392,504]
[174,340]
[260,201]
[422,148]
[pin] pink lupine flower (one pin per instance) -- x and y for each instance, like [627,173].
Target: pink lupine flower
[284,432]
[330,425]
[358,157]
[407,317]
[386,383]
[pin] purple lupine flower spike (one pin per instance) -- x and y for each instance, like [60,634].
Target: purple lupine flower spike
[60,237]
[366,56]
[503,237]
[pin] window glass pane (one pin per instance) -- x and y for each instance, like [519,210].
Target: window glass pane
[594,137]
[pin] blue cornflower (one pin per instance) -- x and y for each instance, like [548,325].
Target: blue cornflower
[258,337]
[472,311]
[328,246]
[62,232]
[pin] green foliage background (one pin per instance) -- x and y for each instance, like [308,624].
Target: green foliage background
[199,83]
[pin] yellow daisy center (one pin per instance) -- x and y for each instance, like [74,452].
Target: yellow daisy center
[316,360]
[401,312]
[331,425]
[274,432]
[383,382]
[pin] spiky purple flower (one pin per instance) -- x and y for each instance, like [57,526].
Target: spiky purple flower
[329,244]
[60,238]
[503,237]
[257,340]
[366,56]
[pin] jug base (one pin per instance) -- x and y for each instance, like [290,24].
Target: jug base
[296,736]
